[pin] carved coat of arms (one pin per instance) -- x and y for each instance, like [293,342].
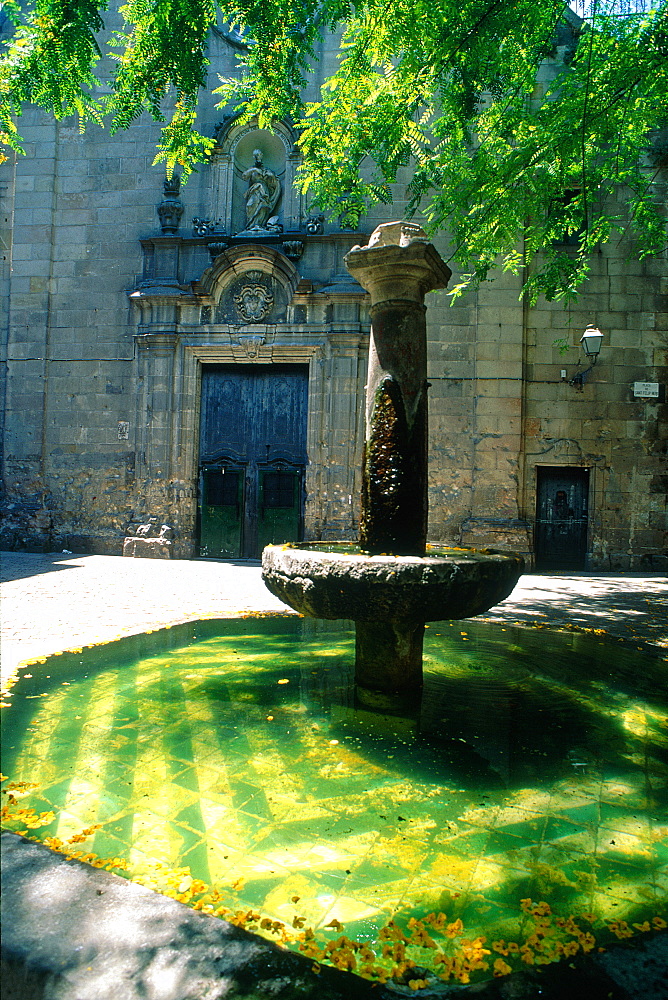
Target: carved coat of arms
[253,302]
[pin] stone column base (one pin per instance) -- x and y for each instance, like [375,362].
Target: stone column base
[388,663]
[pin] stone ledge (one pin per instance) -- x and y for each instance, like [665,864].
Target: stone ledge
[72,932]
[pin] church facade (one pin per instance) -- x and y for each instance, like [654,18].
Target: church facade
[187,363]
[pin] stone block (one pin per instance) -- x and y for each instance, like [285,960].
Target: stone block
[43,132]
[24,183]
[35,254]
[20,286]
[20,350]
[42,166]
[496,405]
[486,351]
[651,303]
[147,548]
[25,266]
[504,318]
[62,268]
[68,217]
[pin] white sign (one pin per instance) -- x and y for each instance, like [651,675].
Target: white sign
[646,389]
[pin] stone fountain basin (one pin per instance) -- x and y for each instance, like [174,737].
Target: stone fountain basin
[333,580]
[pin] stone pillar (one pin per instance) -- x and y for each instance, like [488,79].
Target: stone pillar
[156,366]
[388,663]
[397,268]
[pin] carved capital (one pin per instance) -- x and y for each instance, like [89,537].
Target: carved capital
[161,343]
[398,264]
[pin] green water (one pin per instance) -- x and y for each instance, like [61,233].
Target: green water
[537,767]
[432,551]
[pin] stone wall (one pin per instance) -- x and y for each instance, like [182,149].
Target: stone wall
[104,353]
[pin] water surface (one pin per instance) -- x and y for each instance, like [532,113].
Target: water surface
[536,767]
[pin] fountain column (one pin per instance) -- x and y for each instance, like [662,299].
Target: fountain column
[397,268]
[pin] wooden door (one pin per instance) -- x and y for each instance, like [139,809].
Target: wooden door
[252,458]
[561,517]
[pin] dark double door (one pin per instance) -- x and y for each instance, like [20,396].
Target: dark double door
[561,517]
[252,458]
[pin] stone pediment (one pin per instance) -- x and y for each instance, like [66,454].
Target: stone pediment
[234,261]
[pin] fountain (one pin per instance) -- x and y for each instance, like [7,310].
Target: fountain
[393,583]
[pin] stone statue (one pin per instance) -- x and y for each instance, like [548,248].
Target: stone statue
[264,191]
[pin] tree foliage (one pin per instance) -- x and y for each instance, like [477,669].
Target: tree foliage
[513,168]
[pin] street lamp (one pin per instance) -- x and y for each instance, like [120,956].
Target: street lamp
[591,341]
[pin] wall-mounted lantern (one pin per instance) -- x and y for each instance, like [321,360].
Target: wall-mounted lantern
[591,341]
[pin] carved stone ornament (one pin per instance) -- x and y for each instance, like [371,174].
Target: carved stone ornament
[315,225]
[250,345]
[217,248]
[170,208]
[253,302]
[293,249]
[203,227]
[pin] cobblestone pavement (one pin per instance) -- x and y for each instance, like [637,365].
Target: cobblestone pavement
[57,601]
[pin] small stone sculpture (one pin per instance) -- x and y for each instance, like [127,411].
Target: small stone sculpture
[149,539]
[315,225]
[262,196]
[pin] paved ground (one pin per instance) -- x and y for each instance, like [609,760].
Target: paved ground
[58,601]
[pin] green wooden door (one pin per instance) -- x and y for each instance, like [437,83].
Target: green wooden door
[221,513]
[561,517]
[280,506]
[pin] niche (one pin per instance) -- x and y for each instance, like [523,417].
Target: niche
[253,179]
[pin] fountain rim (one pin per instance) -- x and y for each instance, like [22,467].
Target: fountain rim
[436,554]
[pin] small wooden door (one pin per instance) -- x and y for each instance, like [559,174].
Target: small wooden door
[561,517]
[252,458]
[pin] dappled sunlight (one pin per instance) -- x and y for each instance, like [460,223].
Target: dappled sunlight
[624,607]
[237,773]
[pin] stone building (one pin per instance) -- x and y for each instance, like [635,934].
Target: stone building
[194,356]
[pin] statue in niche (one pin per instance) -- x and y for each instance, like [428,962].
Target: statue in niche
[262,195]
